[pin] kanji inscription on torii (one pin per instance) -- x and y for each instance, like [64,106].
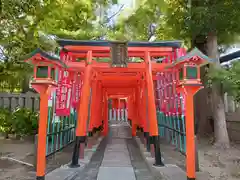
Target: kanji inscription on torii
[119,53]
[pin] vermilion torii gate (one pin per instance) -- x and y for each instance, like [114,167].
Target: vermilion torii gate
[84,84]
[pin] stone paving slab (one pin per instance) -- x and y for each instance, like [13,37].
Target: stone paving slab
[142,172]
[67,173]
[119,130]
[116,154]
[90,172]
[64,172]
[116,173]
[169,171]
[116,164]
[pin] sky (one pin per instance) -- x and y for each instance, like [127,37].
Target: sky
[127,4]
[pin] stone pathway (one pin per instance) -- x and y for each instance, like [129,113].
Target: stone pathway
[140,167]
[90,171]
[122,158]
[117,157]
[116,163]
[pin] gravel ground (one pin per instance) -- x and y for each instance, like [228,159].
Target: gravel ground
[23,150]
[219,164]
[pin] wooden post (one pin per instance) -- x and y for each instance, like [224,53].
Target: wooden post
[99,105]
[190,136]
[81,129]
[145,117]
[93,106]
[105,125]
[92,122]
[153,124]
[152,113]
[118,110]
[144,109]
[44,91]
[137,107]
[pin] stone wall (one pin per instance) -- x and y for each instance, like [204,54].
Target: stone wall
[11,101]
[203,111]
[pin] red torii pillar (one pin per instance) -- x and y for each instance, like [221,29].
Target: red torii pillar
[130,109]
[99,105]
[122,108]
[135,120]
[105,113]
[138,106]
[152,114]
[144,115]
[81,130]
[115,107]
[92,120]
[44,91]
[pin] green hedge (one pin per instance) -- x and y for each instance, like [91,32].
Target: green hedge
[21,122]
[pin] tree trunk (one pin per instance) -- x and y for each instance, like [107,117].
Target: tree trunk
[201,104]
[25,84]
[220,126]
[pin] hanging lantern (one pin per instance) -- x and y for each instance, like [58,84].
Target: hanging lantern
[46,67]
[188,73]
[188,68]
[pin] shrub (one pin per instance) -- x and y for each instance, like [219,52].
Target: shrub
[21,122]
[5,122]
[24,122]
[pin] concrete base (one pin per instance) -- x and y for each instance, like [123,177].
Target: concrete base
[116,164]
[67,173]
[169,171]
[116,173]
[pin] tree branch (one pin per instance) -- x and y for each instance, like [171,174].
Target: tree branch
[108,20]
[116,13]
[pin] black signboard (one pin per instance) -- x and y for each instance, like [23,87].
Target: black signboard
[119,53]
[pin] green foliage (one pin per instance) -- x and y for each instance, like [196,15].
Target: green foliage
[186,19]
[24,121]
[30,24]
[229,78]
[189,19]
[10,74]
[5,121]
[21,122]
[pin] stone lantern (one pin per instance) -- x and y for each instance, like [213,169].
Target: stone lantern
[46,68]
[188,83]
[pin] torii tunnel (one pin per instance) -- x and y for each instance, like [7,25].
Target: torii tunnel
[80,85]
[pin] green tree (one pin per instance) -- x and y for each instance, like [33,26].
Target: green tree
[30,24]
[229,78]
[204,24]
